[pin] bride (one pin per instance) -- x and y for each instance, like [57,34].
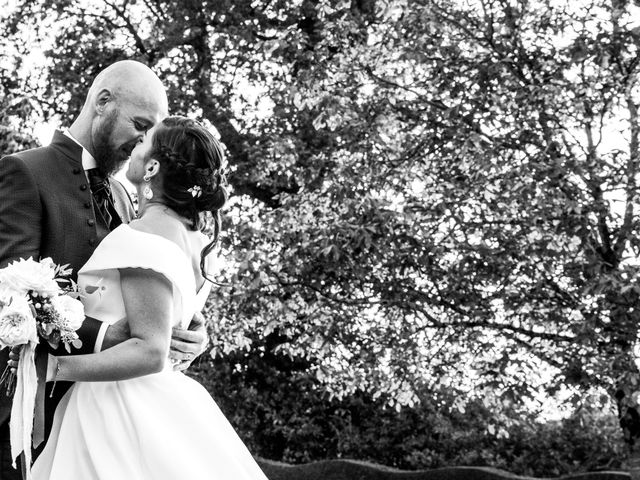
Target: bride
[130,415]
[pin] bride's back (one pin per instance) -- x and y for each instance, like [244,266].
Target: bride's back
[166,223]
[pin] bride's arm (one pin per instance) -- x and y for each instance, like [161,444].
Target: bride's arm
[148,301]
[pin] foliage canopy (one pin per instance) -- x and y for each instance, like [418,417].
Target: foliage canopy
[429,195]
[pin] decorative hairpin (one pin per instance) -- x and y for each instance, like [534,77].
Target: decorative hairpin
[195,191]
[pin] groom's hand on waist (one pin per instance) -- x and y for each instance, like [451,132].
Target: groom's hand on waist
[186,345]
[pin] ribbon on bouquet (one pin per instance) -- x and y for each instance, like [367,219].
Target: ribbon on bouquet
[22,408]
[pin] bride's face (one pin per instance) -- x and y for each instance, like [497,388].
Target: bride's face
[139,158]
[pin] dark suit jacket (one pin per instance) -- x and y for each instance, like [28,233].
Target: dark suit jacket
[46,211]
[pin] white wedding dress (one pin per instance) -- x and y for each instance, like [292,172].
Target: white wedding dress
[163,426]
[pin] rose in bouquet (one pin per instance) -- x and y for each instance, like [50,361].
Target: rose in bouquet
[17,325]
[37,301]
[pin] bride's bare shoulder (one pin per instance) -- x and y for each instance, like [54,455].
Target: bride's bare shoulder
[167,226]
[159,224]
[141,225]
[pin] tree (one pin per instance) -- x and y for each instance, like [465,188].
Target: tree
[428,194]
[15,109]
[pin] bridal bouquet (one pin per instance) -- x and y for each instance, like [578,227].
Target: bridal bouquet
[37,301]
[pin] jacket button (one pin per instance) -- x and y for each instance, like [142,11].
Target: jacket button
[92,242]
[83,187]
[87,205]
[91,222]
[76,171]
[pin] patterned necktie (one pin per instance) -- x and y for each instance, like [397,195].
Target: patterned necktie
[102,198]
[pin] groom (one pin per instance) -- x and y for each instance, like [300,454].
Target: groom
[60,201]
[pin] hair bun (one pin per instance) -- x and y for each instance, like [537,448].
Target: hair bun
[212,200]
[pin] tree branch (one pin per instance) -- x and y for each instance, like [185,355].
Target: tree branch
[132,30]
[432,321]
[631,171]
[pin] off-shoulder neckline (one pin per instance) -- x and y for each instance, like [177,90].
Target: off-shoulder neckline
[177,247]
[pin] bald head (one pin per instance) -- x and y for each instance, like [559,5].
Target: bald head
[130,81]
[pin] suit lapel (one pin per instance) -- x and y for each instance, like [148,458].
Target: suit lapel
[67,147]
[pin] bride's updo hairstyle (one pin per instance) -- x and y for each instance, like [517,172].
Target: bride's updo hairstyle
[192,174]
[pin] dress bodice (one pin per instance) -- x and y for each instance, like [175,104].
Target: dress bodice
[125,247]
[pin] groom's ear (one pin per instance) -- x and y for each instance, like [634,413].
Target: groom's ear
[103,97]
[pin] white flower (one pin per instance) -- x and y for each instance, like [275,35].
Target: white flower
[24,275]
[17,323]
[70,309]
[6,294]
[195,191]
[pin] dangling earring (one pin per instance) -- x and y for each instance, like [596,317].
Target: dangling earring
[147,192]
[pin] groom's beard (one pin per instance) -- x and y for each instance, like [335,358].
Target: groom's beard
[110,158]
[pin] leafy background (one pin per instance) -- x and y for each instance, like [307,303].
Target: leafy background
[430,257]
